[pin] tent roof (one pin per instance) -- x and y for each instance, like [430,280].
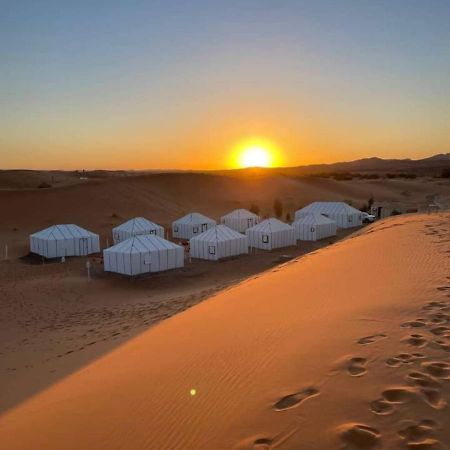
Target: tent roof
[195,218]
[137,224]
[218,233]
[313,219]
[271,225]
[330,208]
[240,214]
[65,231]
[142,244]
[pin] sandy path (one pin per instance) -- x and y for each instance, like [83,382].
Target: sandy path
[53,322]
[348,347]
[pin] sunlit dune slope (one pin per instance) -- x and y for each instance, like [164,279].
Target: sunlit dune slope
[291,359]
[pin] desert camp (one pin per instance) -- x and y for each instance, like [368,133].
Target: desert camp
[240,220]
[344,215]
[270,234]
[313,227]
[225,225]
[218,242]
[191,225]
[143,254]
[136,227]
[60,241]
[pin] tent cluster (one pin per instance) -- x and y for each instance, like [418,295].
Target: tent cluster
[139,244]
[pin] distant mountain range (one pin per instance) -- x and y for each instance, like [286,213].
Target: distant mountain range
[434,165]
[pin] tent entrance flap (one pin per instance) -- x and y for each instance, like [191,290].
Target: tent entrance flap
[83,246]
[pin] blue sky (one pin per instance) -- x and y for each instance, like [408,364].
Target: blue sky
[178,84]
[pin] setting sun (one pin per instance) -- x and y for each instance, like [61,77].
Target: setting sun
[255,153]
[255,157]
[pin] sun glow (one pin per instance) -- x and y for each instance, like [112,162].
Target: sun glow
[255,154]
[255,157]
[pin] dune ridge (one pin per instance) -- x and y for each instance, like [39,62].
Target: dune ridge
[346,348]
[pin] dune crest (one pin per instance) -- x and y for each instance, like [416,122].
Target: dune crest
[262,359]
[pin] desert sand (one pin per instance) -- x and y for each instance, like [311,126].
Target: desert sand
[346,347]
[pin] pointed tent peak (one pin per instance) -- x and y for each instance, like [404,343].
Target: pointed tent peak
[218,233]
[313,218]
[142,243]
[330,207]
[63,231]
[195,217]
[138,223]
[240,213]
[271,224]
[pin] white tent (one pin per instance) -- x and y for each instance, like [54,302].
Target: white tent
[313,226]
[191,225]
[143,254]
[240,220]
[344,215]
[270,234]
[135,227]
[64,240]
[218,242]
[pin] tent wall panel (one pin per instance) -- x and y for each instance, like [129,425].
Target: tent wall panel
[64,240]
[271,234]
[143,254]
[240,220]
[343,214]
[218,242]
[191,225]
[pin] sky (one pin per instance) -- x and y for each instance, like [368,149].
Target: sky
[186,84]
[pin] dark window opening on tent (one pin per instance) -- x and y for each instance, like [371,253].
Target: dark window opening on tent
[265,239]
[312,229]
[350,219]
[326,215]
[195,230]
[175,229]
[212,250]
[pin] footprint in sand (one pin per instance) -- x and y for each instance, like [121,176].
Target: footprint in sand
[293,400]
[418,323]
[438,369]
[421,379]
[441,331]
[433,398]
[371,339]
[359,437]
[381,407]
[440,344]
[436,305]
[416,340]
[419,435]
[398,395]
[356,366]
[439,319]
[262,444]
[403,359]
[443,288]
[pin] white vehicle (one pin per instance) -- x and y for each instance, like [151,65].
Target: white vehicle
[368,218]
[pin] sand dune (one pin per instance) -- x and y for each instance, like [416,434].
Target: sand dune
[100,205]
[346,348]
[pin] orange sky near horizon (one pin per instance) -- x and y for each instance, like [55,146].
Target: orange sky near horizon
[171,85]
[211,139]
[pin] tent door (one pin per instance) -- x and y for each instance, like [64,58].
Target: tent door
[83,243]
